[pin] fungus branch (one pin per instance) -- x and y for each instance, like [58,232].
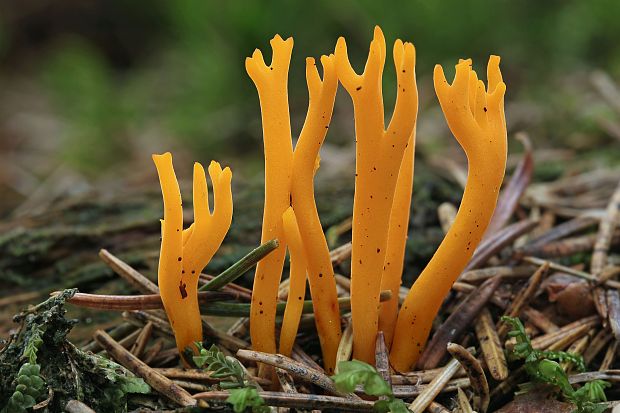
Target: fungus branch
[379,153]
[475,117]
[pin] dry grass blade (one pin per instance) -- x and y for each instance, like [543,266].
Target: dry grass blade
[477,378]
[519,181]
[435,407]
[613,305]
[299,401]
[610,356]
[463,402]
[345,348]
[482,274]
[301,356]
[157,381]
[296,369]
[142,340]
[341,253]
[606,230]
[539,320]
[142,317]
[457,322]
[578,347]
[568,270]
[495,243]
[490,345]
[447,214]
[599,342]
[559,231]
[581,325]
[570,338]
[76,406]
[523,298]
[609,375]
[431,391]
[134,302]
[133,277]
[382,361]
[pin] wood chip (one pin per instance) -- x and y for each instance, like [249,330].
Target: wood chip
[128,273]
[613,305]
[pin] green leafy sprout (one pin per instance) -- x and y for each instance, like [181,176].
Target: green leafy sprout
[544,366]
[243,394]
[353,373]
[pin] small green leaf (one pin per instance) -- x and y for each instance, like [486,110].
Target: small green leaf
[245,397]
[376,386]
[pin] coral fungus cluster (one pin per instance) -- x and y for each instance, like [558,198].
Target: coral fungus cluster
[383,188]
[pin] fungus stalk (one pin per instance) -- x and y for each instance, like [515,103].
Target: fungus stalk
[322,94]
[476,118]
[391,278]
[185,253]
[271,83]
[379,153]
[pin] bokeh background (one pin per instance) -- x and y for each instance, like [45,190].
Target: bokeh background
[89,89]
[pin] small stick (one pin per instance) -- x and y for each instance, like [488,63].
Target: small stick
[571,271]
[613,305]
[296,369]
[76,406]
[463,402]
[523,298]
[382,362]
[153,351]
[610,375]
[578,347]
[421,376]
[301,356]
[299,401]
[340,254]
[495,243]
[605,233]
[130,339]
[456,323]
[539,320]
[240,328]
[191,386]
[599,342]
[558,232]
[241,267]
[407,392]
[135,302]
[569,338]
[547,340]
[490,345]
[143,317]
[474,371]
[229,341]
[342,281]
[158,382]
[139,281]
[431,391]
[118,332]
[333,232]
[483,274]
[435,407]
[447,214]
[345,348]
[610,356]
[286,381]
[143,338]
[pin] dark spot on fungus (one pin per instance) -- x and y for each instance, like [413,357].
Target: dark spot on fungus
[358,88]
[182,289]
[179,259]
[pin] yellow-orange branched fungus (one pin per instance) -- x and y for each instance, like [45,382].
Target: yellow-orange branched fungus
[282,190]
[379,153]
[475,115]
[185,253]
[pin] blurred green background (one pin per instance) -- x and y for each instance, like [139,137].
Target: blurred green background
[89,87]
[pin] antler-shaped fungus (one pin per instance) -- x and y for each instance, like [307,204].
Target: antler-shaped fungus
[280,166]
[379,153]
[271,83]
[305,162]
[185,253]
[476,118]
